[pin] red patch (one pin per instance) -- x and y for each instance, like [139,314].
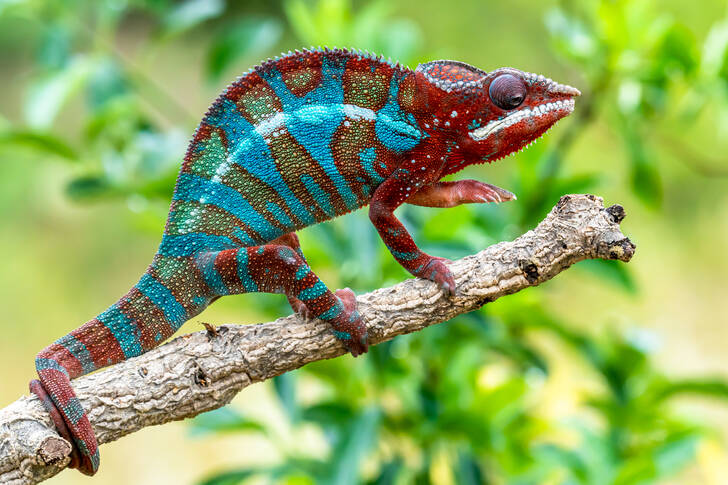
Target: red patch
[64,357]
[100,342]
[147,317]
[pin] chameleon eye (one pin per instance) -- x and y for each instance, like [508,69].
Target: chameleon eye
[507,91]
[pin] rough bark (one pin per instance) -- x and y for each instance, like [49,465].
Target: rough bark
[202,371]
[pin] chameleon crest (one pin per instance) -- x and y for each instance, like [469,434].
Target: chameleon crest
[294,142]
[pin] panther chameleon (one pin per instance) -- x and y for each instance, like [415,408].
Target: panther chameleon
[298,140]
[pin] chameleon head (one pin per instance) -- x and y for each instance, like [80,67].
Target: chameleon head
[489,115]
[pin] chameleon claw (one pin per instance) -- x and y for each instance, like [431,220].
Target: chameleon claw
[440,274]
[353,327]
[300,308]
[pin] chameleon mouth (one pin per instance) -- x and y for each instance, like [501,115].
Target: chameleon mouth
[564,105]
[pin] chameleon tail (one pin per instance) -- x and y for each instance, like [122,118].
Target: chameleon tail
[57,364]
[138,322]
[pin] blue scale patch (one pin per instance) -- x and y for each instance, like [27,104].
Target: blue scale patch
[43,363]
[195,188]
[313,292]
[79,351]
[123,329]
[368,156]
[342,335]
[397,130]
[302,271]
[245,238]
[183,245]
[314,118]
[279,214]
[320,196]
[206,264]
[404,256]
[250,151]
[332,312]
[245,279]
[160,295]
[73,410]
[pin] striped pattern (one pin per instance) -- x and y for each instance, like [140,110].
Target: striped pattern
[321,132]
[294,142]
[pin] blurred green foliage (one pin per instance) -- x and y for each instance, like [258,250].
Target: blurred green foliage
[455,403]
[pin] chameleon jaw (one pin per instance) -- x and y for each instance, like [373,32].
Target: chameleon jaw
[494,126]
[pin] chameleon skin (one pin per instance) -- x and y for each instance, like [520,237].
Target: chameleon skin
[294,142]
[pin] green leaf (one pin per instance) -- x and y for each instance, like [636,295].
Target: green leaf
[47,96]
[105,83]
[717,388]
[190,13]
[646,181]
[571,37]
[401,39]
[301,20]
[388,473]
[328,414]
[89,187]
[714,61]
[677,51]
[223,420]
[564,458]
[575,184]
[54,50]
[675,453]
[285,387]
[232,477]
[38,141]
[468,471]
[245,38]
[645,177]
[358,439]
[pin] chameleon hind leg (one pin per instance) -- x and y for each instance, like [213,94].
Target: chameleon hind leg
[277,268]
[291,240]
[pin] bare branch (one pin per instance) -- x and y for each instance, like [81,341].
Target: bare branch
[202,371]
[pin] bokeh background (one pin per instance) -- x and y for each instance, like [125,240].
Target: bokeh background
[610,374]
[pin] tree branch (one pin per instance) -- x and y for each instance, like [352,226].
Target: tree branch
[203,371]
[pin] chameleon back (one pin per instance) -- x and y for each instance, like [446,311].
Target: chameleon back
[296,141]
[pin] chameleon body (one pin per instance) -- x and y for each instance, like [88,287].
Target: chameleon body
[296,141]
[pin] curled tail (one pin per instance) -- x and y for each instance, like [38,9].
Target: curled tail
[138,322]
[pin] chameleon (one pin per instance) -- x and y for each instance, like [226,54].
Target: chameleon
[295,141]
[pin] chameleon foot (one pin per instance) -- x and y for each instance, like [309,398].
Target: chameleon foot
[299,308]
[474,191]
[437,271]
[348,326]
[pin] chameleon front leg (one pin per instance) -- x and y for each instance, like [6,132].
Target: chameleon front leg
[451,194]
[397,189]
[276,268]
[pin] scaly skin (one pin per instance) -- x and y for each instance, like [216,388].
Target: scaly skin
[294,142]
